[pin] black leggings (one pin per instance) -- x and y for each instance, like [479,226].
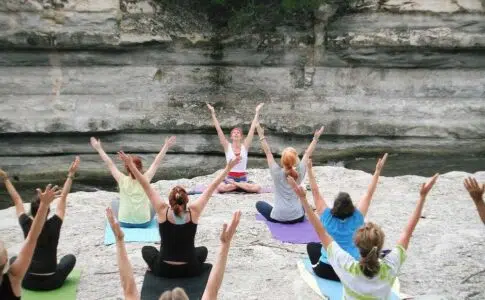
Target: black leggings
[50,282]
[265,209]
[321,269]
[160,268]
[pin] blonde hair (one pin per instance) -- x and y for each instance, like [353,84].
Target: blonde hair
[289,159]
[370,240]
[175,294]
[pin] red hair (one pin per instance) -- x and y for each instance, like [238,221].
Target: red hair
[178,199]
[289,159]
[138,164]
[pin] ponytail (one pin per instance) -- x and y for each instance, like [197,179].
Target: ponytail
[291,172]
[370,240]
[370,264]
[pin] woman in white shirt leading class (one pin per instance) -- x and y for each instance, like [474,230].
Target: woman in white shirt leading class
[237,178]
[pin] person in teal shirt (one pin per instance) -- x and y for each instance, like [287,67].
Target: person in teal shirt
[341,221]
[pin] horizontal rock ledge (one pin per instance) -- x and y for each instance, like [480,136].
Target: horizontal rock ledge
[42,159]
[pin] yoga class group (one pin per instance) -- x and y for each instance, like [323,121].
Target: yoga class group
[349,252]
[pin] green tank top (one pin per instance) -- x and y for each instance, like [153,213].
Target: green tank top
[134,203]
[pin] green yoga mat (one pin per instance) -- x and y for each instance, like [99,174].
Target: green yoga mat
[67,291]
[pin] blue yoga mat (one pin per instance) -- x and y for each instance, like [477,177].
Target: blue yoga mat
[329,289]
[149,234]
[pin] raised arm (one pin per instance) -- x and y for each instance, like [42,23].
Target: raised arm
[21,264]
[126,271]
[220,133]
[198,205]
[264,145]
[320,203]
[17,200]
[155,199]
[96,144]
[325,238]
[158,159]
[416,215]
[217,272]
[364,202]
[249,138]
[61,206]
[476,193]
[313,144]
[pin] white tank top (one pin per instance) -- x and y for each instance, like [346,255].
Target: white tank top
[242,165]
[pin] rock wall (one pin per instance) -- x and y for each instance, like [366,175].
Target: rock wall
[389,75]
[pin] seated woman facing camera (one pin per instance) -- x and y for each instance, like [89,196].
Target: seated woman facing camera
[341,222]
[287,208]
[237,177]
[44,273]
[215,278]
[133,209]
[369,277]
[178,256]
[11,281]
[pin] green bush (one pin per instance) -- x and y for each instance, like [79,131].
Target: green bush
[237,15]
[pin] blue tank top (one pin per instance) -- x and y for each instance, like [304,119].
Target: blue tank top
[342,231]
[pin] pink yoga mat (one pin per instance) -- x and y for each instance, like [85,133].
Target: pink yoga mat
[200,188]
[298,233]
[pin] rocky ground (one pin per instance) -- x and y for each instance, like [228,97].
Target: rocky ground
[445,253]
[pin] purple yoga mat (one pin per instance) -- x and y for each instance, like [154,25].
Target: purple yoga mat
[199,188]
[298,233]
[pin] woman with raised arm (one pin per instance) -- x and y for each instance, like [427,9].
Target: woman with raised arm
[341,222]
[287,209]
[476,193]
[178,257]
[215,278]
[237,177]
[370,277]
[44,272]
[133,209]
[11,281]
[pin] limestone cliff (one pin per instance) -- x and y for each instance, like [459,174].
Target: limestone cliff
[392,75]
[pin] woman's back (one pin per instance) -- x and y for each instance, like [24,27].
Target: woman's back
[134,203]
[286,203]
[44,259]
[342,231]
[178,239]
[356,284]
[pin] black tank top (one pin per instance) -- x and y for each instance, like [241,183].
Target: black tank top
[6,292]
[44,259]
[178,240]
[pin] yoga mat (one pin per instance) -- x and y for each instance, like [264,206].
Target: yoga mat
[200,188]
[149,234]
[67,291]
[298,233]
[154,286]
[329,289]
